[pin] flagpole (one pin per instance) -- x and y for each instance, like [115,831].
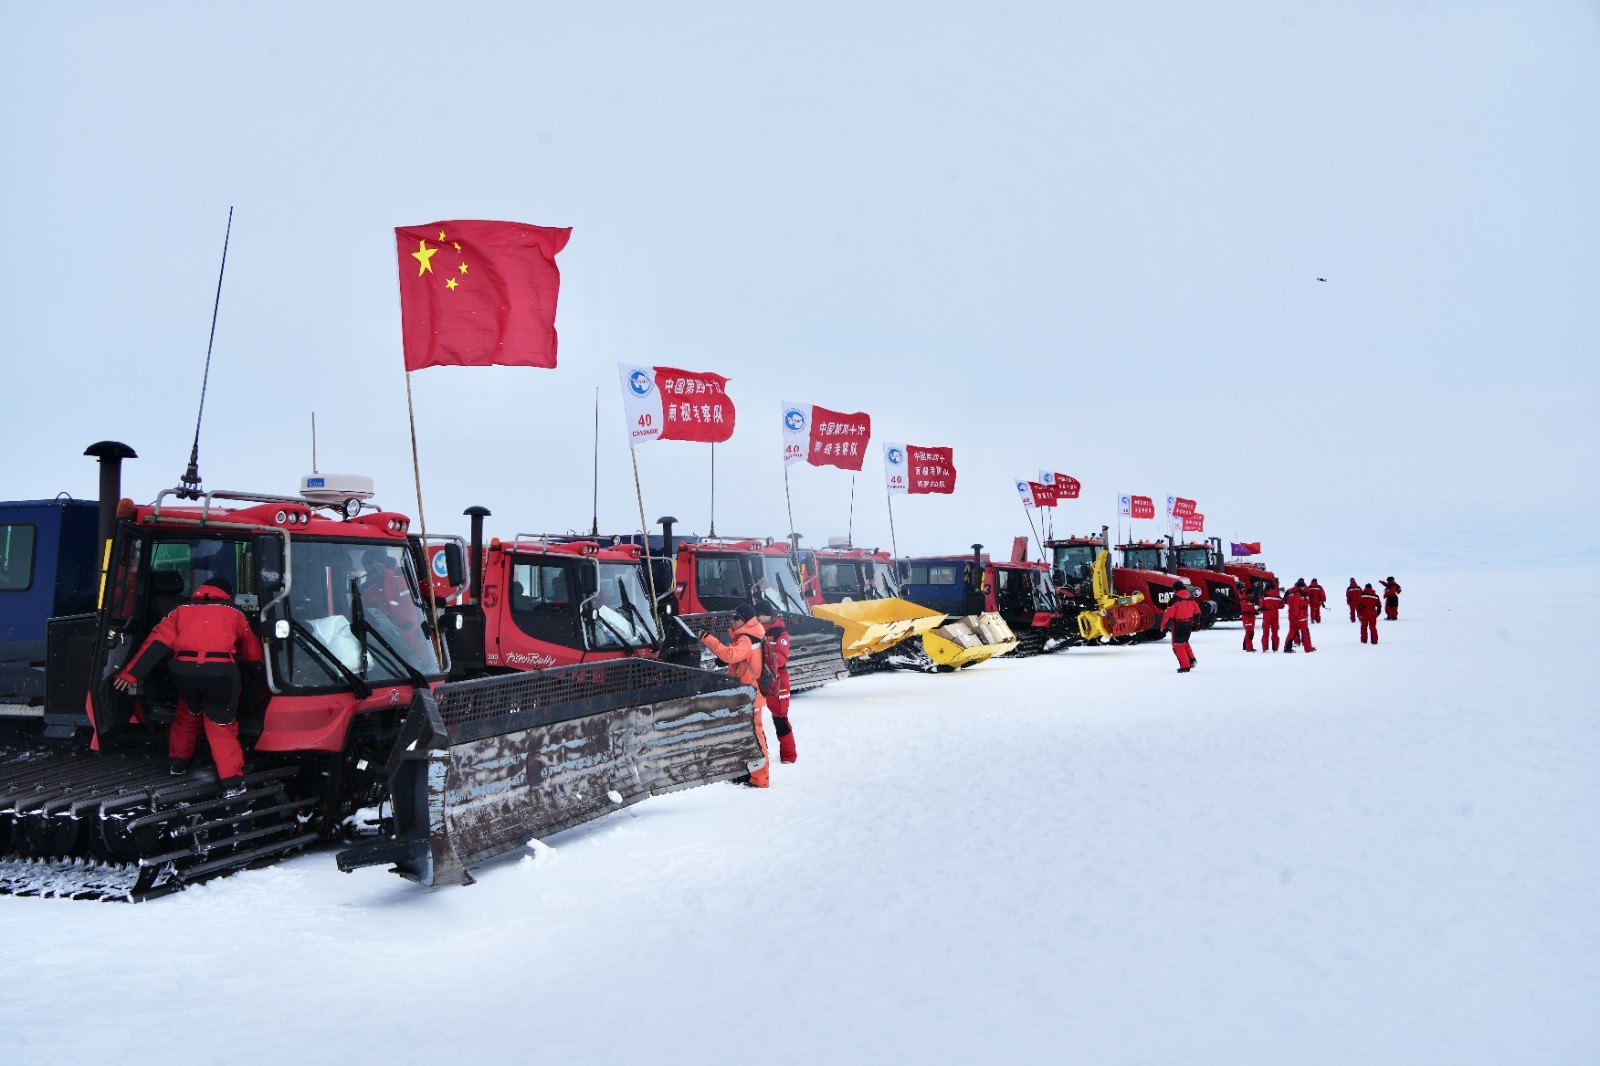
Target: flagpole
[794,545]
[594,522]
[1036,538]
[850,528]
[893,543]
[422,523]
[644,536]
[713,530]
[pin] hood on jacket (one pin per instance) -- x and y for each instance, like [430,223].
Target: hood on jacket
[214,591]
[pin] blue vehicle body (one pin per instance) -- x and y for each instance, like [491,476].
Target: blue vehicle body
[48,569]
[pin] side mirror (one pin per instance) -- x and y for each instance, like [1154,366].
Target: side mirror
[455,566]
[267,553]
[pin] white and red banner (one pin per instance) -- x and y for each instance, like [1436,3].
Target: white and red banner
[1067,488]
[913,469]
[665,403]
[1036,494]
[1136,506]
[821,437]
[1178,507]
[1194,523]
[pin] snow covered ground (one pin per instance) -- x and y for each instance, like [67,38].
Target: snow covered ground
[1364,855]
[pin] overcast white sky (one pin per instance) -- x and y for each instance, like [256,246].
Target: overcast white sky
[1083,236]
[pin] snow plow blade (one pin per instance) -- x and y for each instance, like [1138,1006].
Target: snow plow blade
[968,641]
[814,646]
[482,767]
[872,626]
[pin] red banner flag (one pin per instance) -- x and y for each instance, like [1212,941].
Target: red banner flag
[1181,508]
[911,468]
[1194,523]
[479,293]
[665,403]
[1044,495]
[822,437]
[1067,488]
[1141,507]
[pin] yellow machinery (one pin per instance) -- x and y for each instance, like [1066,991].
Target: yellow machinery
[871,626]
[968,641]
[1113,616]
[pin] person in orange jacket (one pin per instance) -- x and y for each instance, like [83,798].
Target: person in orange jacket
[206,639]
[1247,614]
[1391,598]
[1352,594]
[1179,617]
[1299,614]
[1318,596]
[776,648]
[1368,607]
[1271,604]
[742,653]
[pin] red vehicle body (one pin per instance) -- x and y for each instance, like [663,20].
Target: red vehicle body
[1200,564]
[1253,578]
[1144,570]
[841,575]
[1020,591]
[1072,559]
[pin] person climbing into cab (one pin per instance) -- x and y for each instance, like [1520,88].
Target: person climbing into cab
[205,639]
[1179,617]
[775,647]
[1391,598]
[742,653]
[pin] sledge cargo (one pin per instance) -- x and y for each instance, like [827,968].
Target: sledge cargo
[857,589]
[1018,591]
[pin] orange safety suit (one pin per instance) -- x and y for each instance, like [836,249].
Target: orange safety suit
[742,653]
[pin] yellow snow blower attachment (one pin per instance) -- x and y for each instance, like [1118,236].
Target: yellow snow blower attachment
[1113,616]
[872,626]
[968,641]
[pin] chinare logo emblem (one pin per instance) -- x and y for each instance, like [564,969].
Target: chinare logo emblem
[440,569]
[896,456]
[640,383]
[794,421]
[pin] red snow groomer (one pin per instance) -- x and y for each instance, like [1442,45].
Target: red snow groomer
[1200,563]
[347,711]
[1254,579]
[713,576]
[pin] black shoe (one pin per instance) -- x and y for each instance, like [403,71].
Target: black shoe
[232,786]
[1288,651]
[178,767]
[1183,669]
[742,779]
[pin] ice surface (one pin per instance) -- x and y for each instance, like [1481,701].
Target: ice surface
[1375,855]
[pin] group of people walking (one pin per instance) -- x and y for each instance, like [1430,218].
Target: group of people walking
[1303,602]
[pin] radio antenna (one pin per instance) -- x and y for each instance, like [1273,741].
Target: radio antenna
[190,482]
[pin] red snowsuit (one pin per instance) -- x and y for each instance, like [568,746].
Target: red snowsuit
[1351,595]
[1391,598]
[1299,613]
[776,647]
[1247,614]
[743,656]
[1318,596]
[206,639]
[1271,604]
[1368,607]
[1180,619]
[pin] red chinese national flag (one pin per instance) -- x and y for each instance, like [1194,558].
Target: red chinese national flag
[479,293]
[1143,507]
[931,469]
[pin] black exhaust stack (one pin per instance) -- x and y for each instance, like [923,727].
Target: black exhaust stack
[667,522]
[475,550]
[111,453]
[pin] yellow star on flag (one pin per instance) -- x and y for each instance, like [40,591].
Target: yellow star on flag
[463,268]
[450,284]
[423,256]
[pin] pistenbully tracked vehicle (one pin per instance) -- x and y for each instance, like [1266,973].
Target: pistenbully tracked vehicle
[349,711]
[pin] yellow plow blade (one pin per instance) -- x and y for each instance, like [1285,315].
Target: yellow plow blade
[968,641]
[877,625]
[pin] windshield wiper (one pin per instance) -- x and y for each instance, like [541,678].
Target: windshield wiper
[588,607]
[362,628]
[329,662]
[644,625]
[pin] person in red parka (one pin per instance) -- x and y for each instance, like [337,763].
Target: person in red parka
[1299,613]
[1367,608]
[742,653]
[1391,598]
[776,648]
[206,639]
[1352,593]
[1317,597]
[1271,604]
[1180,619]
[1247,614]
